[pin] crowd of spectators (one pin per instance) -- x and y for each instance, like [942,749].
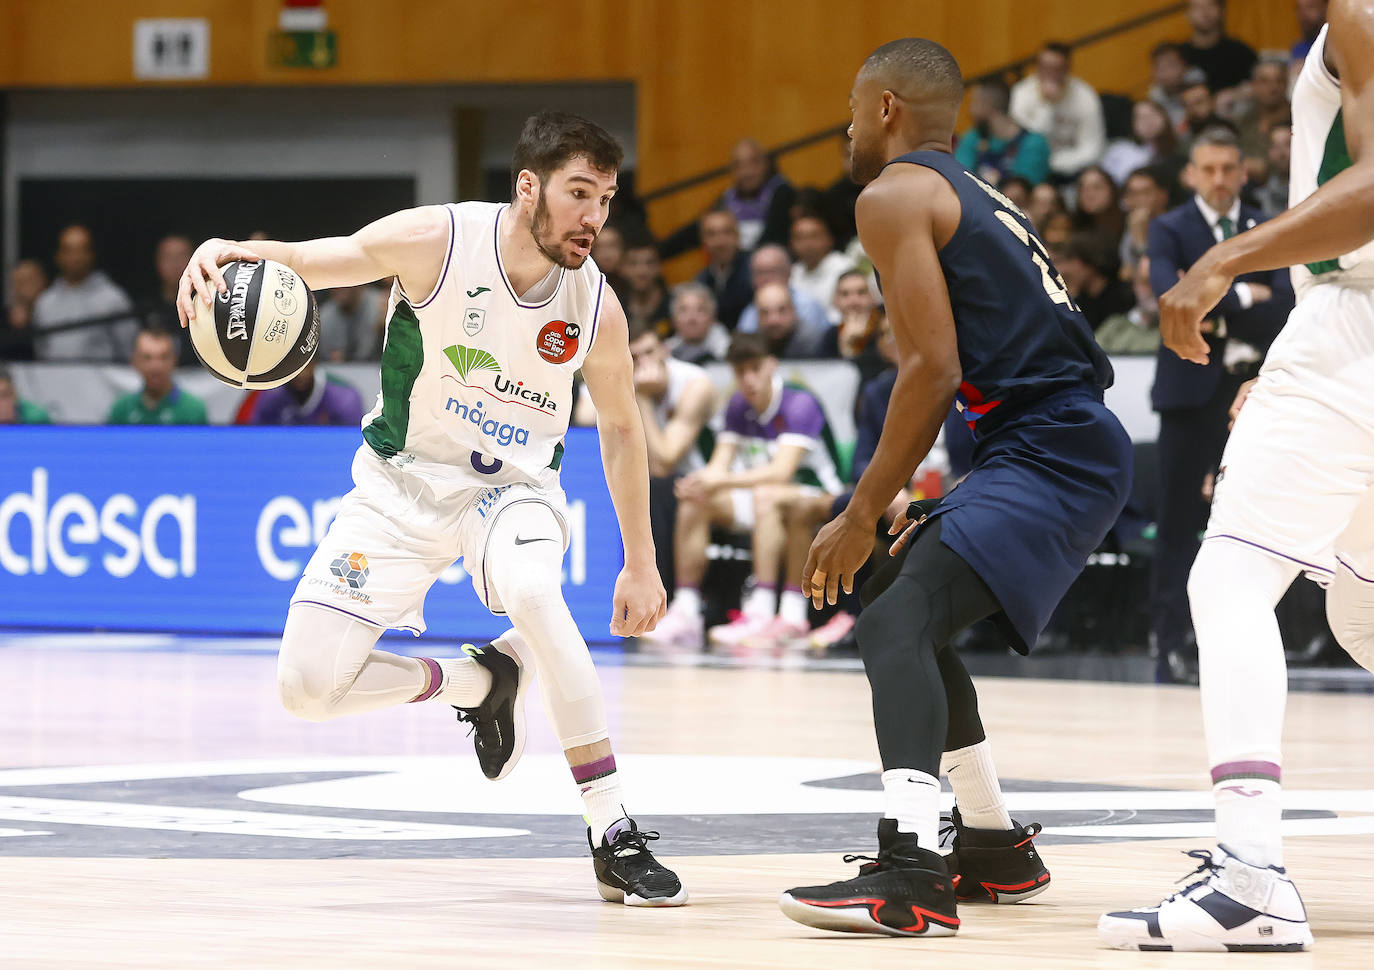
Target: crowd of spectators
[782,277]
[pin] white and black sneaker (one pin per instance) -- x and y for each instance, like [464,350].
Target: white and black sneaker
[1234,907]
[627,872]
[498,723]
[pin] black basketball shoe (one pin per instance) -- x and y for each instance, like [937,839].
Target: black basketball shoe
[995,866]
[627,872]
[905,891]
[498,723]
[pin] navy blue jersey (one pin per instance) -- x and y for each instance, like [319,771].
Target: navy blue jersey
[1021,338]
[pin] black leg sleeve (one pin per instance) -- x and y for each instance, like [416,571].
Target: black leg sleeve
[901,635]
[965,725]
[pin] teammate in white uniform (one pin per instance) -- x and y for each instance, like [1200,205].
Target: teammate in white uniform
[493,309]
[1296,494]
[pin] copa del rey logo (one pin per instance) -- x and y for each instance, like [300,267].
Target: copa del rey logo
[557,341]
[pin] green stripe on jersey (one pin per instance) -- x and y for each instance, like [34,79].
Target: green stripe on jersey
[401,360]
[1335,159]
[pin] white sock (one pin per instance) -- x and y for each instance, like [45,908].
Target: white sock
[1248,814]
[599,784]
[761,601]
[792,607]
[913,798]
[687,600]
[466,682]
[973,777]
[1232,590]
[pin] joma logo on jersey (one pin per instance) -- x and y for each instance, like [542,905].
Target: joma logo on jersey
[470,363]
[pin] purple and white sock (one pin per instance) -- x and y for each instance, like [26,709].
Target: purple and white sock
[1249,810]
[601,795]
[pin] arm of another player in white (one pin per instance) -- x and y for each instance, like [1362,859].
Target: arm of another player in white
[411,244]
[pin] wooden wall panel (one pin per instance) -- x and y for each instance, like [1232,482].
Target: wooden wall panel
[707,71]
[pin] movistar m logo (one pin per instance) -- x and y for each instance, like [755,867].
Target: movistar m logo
[466,360]
[478,291]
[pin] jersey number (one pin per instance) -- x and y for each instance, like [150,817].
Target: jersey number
[1054,283]
[486,466]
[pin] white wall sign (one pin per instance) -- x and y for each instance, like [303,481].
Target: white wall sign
[175,49]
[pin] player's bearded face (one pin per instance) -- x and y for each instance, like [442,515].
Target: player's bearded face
[865,135]
[558,246]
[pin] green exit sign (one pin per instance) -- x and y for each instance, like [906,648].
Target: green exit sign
[304,48]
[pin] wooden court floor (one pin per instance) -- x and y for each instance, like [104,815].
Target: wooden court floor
[88,727]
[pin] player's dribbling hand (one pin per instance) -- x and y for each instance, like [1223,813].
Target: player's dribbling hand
[638,602]
[1182,308]
[202,277]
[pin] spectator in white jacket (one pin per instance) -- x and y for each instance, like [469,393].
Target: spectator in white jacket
[1063,108]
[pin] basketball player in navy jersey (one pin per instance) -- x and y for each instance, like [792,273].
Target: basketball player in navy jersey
[981,320]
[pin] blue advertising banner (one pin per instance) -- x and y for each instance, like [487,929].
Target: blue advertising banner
[208,529]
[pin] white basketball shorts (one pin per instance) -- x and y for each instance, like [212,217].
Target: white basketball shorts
[392,538]
[1298,468]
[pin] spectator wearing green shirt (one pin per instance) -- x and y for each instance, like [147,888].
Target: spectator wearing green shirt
[996,147]
[13,408]
[160,401]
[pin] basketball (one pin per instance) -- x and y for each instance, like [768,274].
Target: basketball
[263,331]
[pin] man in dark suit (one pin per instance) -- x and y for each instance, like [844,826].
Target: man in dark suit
[727,266]
[1193,400]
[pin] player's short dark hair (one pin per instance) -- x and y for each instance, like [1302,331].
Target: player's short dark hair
[745,348]
[550,139]
[1058,47]
[916,64]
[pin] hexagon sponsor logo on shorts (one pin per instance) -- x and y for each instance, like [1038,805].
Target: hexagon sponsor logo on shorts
[351,568]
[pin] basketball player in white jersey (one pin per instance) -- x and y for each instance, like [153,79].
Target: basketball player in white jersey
[492,310]
[1295,495]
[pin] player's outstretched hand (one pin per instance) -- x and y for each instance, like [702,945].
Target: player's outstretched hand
[837,552]
[202,276]
[638,603]
[1189,300]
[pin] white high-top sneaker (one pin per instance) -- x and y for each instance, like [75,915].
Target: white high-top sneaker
[1234,907]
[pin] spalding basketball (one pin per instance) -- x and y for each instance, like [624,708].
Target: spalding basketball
[263,331]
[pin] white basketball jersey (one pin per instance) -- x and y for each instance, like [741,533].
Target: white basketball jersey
[477,381]
[1319,153]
